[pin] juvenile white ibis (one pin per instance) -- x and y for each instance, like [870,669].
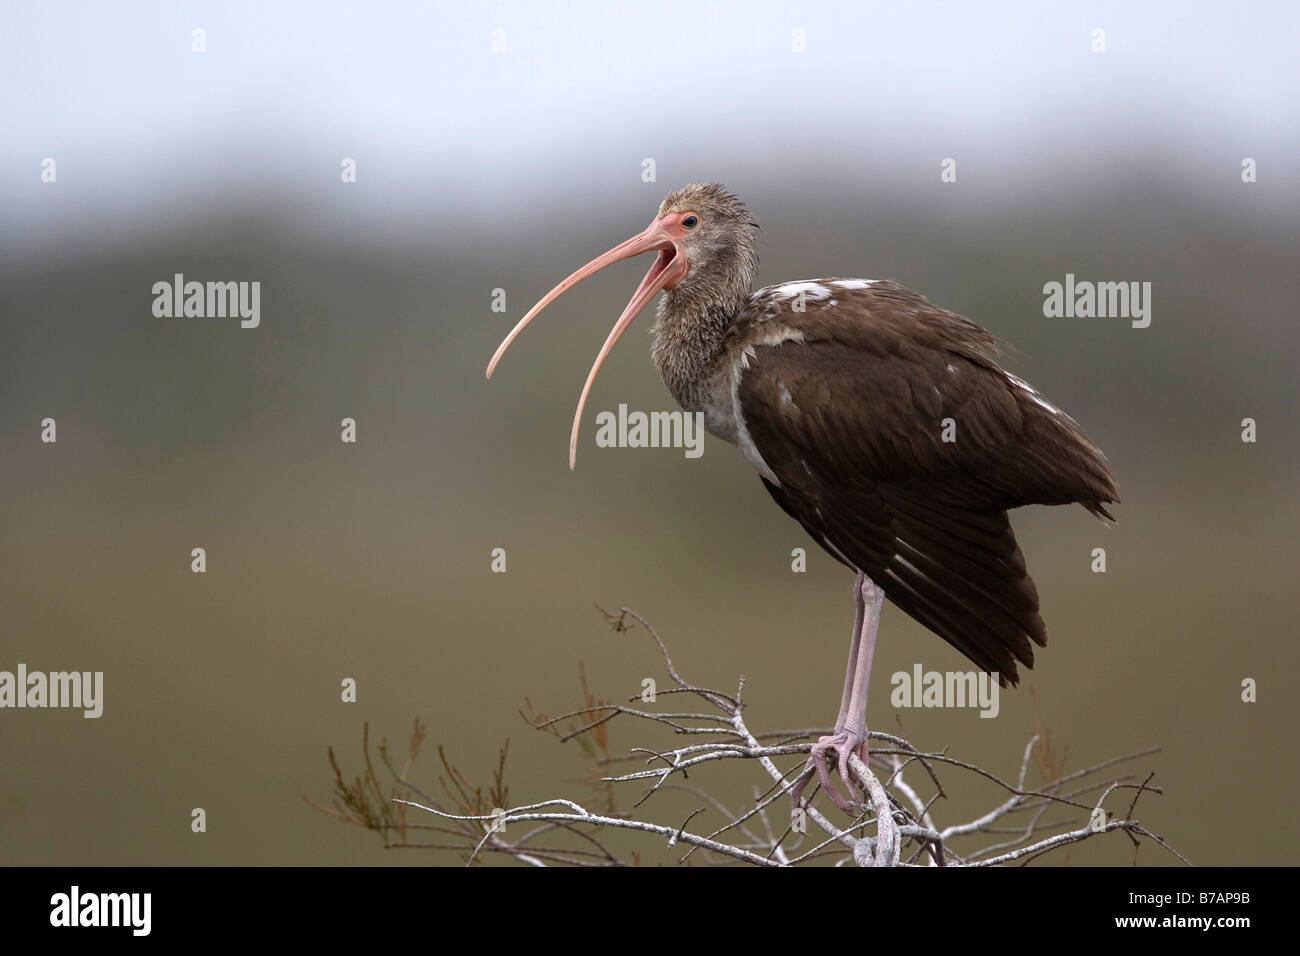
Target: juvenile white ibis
[878,421]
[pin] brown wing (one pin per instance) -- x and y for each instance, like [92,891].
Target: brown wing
[852,421]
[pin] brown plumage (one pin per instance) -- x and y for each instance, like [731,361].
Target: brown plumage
[850,417]
[845,402]
[878,421]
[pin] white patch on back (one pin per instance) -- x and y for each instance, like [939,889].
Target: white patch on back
[854,283]
[812,290]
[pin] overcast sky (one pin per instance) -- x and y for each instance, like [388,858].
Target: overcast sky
[585,90]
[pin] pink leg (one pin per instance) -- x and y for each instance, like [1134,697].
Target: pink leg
[851,725]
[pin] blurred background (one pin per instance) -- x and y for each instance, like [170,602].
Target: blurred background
[500,148]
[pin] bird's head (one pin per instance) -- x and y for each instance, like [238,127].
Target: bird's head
[718,242]
[703,237]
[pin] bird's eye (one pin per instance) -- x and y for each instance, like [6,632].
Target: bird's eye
[690,222]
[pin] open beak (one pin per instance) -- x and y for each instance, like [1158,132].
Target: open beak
[667,270]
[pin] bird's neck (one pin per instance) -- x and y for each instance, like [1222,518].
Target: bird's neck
[691,330]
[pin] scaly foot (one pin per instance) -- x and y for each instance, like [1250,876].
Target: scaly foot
[843,744]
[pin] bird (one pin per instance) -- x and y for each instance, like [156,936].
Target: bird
[880,422]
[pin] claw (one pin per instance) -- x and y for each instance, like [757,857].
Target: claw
[844,744]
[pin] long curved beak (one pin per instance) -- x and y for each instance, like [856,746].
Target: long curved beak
[667,270]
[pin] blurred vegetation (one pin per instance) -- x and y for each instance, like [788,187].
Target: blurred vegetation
[371,561]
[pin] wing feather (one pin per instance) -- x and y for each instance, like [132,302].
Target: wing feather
[851,420]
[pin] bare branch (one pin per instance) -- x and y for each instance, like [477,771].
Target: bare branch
[896,827]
